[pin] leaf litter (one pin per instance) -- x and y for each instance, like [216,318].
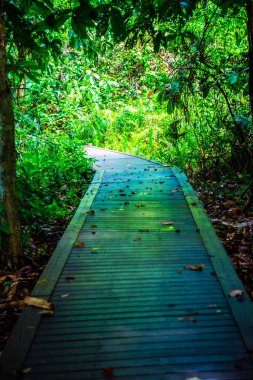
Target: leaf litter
[224,203]
[199,267]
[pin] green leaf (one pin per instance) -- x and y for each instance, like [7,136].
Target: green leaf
[56,20]
[5,228]
[25,5]
[170,106]
[117,24]
[44,7]
[78,26]
[232,79]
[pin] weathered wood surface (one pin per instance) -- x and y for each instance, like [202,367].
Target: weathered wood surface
[126,306]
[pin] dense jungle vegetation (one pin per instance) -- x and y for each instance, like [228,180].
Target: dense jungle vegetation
[169,80]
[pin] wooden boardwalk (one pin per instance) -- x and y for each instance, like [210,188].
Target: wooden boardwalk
[126,305]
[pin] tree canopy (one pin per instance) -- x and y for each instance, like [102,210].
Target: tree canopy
[167,79]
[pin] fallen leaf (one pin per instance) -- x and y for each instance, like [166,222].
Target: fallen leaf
[213,306]
[194,204]
[137,238]
[188,319]
[38,302]
[108,371]
[167,223]
[195,267]
[144,230]
[236,293]
[91,212]
[11,277]
[42,281]
[70,278]
[26,371]
[46,312]
[79,244]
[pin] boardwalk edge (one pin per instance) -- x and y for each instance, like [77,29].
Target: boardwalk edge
[226,274]
[18,344]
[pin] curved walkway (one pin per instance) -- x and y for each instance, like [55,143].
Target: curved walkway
[140,284]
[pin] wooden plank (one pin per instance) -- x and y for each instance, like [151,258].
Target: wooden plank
[192,331]
[71,359]
[21,338]
[163,375]
[193,347]
[146,341]
[242,311]
[153,366]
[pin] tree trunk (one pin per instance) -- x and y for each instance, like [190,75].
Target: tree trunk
[250,41]
[249,7]
[10,235]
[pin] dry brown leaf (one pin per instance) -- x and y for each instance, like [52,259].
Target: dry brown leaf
[46,312]
[144,230]
[38,302]
[195,267]
[12,277]
[108,371]
[167,223]
[91,212]
[137,238]
[79,244]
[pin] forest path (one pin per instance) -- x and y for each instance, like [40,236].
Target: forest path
[127,304]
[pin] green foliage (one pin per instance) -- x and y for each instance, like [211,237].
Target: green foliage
[52,172]
[177,91]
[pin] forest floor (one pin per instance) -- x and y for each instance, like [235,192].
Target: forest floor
[233,226]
